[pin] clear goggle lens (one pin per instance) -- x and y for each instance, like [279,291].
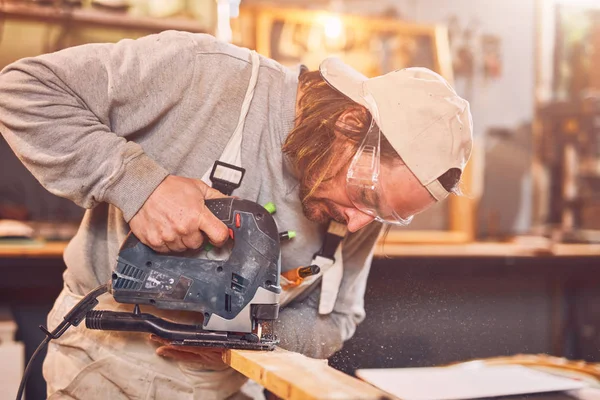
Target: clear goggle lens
[363,181]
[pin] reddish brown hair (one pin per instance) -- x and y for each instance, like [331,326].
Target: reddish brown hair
[312,146]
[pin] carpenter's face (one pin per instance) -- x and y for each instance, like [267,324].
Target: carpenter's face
[402,191]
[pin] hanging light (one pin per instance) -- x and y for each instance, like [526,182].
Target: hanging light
[333,26]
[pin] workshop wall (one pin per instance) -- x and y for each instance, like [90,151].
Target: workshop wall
[500,89]
[504,101]
[498,102]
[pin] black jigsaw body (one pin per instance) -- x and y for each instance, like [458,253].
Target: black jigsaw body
[238,295]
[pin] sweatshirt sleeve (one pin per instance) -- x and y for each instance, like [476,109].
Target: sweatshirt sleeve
[71,117]
[301,328]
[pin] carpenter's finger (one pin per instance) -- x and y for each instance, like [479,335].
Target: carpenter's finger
[193,240]
[215,194]
[155,242]
[174,243]
[169,352]
[210,359]
[213,227]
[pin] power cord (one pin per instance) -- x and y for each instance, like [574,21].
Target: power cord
[73,318]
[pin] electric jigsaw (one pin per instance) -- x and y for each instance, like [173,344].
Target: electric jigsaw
[238,295]
[237,290]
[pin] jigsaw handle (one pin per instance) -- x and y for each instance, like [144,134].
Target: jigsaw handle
[221,208]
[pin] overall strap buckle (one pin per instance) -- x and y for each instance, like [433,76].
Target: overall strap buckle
[333,237]
[226,177]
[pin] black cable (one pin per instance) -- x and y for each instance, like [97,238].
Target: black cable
[73,317]
[30,366]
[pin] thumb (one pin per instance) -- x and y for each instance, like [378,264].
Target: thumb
[209,192]
[213,227]
[160,340]
[170,352]
[214,194]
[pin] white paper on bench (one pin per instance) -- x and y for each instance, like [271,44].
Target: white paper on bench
[462,382]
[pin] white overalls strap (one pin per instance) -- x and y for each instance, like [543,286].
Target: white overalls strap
[331,274]
[232,154]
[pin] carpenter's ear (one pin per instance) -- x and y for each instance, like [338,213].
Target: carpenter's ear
[352,119]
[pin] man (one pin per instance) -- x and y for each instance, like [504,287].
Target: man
[127,130]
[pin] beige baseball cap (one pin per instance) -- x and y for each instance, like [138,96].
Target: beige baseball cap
[419,113]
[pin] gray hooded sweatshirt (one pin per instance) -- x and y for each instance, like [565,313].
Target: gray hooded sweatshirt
[104,124]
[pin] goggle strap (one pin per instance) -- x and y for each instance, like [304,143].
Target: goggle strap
[334,235]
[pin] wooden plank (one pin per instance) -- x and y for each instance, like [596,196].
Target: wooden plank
[292,376]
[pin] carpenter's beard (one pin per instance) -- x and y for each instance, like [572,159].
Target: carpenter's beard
[319,209]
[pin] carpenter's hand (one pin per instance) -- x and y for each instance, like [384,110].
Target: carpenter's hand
[175,217]
[211,358]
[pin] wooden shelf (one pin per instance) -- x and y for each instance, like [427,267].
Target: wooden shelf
[41,249]
[96,17]
[31,249]
[482,249]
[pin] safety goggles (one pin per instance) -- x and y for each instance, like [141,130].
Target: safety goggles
[364,181]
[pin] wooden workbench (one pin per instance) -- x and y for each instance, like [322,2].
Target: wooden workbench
[31,249]
[487,249]
[288,375]
[431,270]
[35,249]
